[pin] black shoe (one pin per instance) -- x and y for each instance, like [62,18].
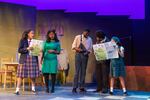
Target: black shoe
[125,94]
[17,93]
[104,91]
[111,93]
[97,91]
[74,90]
[52,91]
[82,90]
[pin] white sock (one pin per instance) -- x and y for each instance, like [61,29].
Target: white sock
[33,88]
[17,89]
[111,89]
[124,89]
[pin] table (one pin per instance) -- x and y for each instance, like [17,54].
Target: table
[9,64]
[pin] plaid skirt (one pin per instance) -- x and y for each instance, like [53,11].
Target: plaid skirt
[117,68]
[30,68]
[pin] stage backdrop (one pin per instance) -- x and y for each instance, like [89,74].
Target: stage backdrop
[14,19]
[68,25]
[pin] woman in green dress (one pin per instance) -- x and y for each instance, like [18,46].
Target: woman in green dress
[51,49]
[117,67]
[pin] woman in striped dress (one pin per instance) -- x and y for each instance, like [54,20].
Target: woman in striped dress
[117,67]
[28,65]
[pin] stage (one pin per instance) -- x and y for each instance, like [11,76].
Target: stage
[127,19]
[64,93]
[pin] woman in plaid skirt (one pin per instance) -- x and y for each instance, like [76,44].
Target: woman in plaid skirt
[117,67]
[28,65]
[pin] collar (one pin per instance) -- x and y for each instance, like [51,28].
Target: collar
[84,37]
[29,40]
[104,40]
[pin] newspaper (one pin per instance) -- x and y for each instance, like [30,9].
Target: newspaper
[105,51]
[37,47]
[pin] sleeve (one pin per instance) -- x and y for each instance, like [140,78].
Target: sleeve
[91,46]
[43,47]
[58,47]
[122,50]
[43,50]
[74,44]
[21,48]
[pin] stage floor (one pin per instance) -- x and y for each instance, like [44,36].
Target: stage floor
[64,93]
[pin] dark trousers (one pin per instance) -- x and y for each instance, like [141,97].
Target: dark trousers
[80,70]
[53,80]
[102,75]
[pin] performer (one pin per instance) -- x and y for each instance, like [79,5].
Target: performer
[102,67]
[117,67]
[82,45]
[49,61]
[28,65]
[63,61]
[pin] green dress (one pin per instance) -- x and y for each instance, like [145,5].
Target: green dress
[50,62]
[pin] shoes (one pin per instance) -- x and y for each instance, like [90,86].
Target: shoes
[125,94]
[104,91]
[82,90]
[74,90]
[17,93]
[96,91]
[52,91]
[34,92]
[111,93]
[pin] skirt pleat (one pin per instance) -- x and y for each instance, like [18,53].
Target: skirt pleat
[30,69]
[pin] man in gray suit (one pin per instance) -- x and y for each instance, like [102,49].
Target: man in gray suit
[82,45]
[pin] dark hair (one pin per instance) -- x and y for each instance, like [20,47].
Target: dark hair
[87,30]
[119,44]
[25,34]
[100,34]
[48,39]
